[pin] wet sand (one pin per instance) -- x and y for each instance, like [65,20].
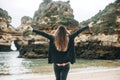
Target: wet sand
[84,74]
[74,74]
[108,74]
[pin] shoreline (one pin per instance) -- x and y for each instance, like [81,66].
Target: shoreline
[90,73]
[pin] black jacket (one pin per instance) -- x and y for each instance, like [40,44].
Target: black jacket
[56,56]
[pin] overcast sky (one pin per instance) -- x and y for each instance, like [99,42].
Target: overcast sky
[83,9]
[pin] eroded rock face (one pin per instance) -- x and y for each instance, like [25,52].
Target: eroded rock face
[48,15]
[8,33]
[30,45]
[88,45]
[55,12]
[98,46]
[104,43]
[5,29]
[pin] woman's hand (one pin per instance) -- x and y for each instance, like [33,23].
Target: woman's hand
[30,28]
[91,24]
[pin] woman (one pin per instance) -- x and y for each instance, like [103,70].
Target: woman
[61,49]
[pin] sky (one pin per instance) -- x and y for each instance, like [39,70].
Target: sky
[82,9]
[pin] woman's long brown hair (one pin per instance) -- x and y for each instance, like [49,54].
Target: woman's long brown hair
[61,38]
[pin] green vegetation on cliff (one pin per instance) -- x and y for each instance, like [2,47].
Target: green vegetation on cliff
[3,13]
[54,12]
[105,19]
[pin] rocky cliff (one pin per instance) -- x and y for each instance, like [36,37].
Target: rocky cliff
[48,16]
[8,33]
[100,42]
[54,12]
[105,43]
[5,29]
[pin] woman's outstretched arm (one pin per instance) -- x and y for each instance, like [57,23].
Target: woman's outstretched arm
[82,29]
[40,33]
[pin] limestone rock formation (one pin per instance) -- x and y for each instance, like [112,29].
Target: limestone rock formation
[104,43]
[55,12]
[29,45]
[50,14]
[101,42]
[6,31]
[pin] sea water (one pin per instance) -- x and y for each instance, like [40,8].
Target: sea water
[11,67]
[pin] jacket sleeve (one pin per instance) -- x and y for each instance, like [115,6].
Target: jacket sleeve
[73,58]
[79,31]
[42,34]
[71,51]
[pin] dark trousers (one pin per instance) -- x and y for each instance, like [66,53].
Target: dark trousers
[61,72]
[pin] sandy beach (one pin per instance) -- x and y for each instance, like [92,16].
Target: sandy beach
[74,74]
